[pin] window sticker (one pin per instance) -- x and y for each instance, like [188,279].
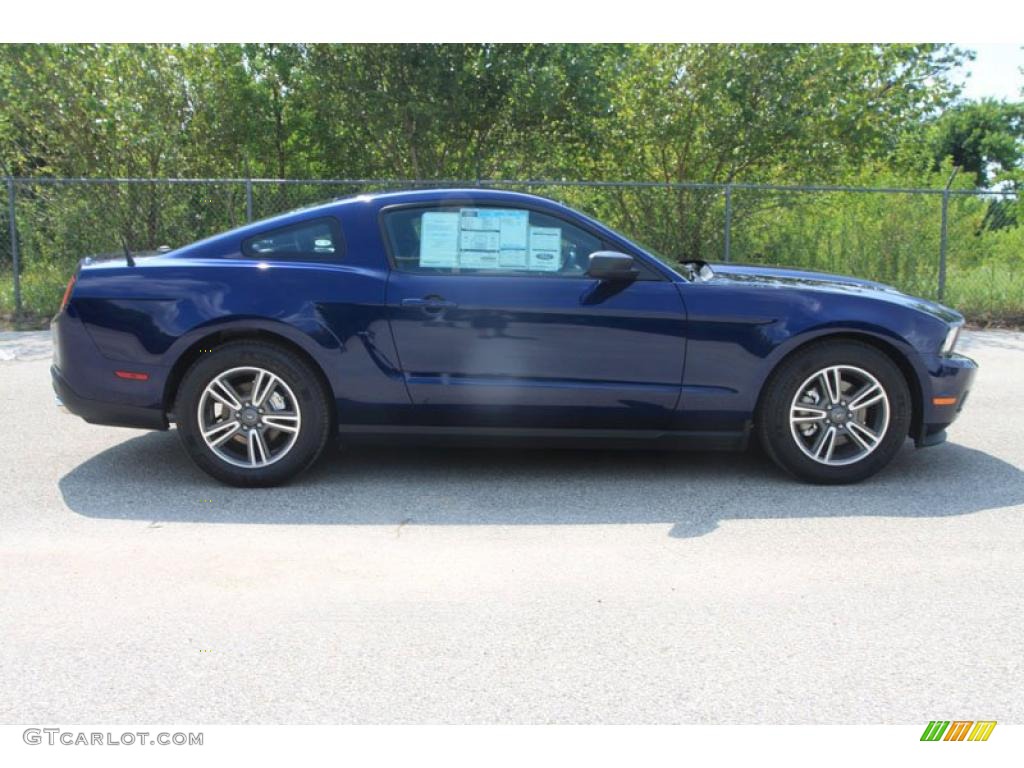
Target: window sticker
[493,238]
[545,253]
[439,240]
[488,238]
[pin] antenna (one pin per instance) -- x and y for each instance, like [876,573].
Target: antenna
[127,254]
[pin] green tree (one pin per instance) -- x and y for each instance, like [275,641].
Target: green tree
[464,111]
[984,138]
[764,113]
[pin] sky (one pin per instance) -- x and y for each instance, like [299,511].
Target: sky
[995,72]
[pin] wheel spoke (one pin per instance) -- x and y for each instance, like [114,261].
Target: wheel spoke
[286,422]
[221,432]
[222,391]
[869,395]
[825,444]
[832,383]
[263,387]
[810,413]
[258,451]
[866,438]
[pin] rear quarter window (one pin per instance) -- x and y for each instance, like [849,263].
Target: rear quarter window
[313,240]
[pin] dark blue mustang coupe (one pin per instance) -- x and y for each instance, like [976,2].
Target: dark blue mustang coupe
[489,315]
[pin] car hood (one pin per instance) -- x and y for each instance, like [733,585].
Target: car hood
[780,277]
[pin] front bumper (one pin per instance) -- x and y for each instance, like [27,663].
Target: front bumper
[945,392]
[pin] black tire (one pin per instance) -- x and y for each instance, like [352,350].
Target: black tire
[778,437]
[302,381]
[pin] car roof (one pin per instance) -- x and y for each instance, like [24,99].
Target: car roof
[413,196]
[454,193]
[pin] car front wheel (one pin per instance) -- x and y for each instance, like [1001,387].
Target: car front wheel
[252,414]
[835,412]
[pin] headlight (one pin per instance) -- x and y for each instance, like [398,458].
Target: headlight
[951,337]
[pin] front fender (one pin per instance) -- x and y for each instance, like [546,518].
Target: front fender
[737,335]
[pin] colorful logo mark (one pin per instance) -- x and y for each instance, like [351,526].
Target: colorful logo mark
[958,730]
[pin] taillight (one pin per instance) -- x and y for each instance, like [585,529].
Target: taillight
[67,291]
[133,375]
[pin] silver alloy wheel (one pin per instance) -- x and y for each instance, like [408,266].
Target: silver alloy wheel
[249,417]
[839,415]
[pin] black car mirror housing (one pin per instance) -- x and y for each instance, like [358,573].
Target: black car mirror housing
[611,265]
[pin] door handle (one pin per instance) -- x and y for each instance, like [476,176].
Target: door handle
[430,304]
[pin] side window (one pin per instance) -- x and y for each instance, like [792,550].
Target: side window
[483,240]
[314,239]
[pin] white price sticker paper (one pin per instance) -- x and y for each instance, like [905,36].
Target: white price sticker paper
[439,240]
[545,249]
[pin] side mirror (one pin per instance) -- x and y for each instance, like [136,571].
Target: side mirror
[611,265]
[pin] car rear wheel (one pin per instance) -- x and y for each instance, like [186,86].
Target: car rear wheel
[252,414]
[835,412]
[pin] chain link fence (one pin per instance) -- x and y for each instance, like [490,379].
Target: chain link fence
[960,246]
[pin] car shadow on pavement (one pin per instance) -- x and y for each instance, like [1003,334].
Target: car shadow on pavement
[150,478]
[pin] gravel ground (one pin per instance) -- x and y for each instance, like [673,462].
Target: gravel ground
[430,585]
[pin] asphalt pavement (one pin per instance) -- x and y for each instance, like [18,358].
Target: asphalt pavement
[436,585]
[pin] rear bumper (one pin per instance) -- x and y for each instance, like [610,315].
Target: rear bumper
[945,392]
[99,412]
[85,384]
